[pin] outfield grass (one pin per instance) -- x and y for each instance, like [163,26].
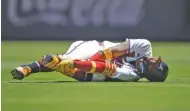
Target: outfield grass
[49,92]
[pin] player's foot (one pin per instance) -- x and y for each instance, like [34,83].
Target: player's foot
[20,72]
[51,61]
[65,66]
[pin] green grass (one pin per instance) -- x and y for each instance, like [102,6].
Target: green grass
[48,92]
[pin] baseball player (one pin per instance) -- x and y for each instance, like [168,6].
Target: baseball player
[127,61]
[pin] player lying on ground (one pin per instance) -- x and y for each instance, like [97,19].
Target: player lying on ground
[122,69]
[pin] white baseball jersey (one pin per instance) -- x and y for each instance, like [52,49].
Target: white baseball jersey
[85,49]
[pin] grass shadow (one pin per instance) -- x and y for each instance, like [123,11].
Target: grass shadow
[61,82]
[42,82]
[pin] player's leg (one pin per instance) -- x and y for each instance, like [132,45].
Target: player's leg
[66,66]
[27,69]
[37,66]
[82,49]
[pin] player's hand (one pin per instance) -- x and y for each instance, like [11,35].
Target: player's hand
[151,60]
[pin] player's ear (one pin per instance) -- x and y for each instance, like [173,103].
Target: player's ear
[159,60]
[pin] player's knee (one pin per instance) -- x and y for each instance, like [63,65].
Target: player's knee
[76,43]
[148,47]
[146,42]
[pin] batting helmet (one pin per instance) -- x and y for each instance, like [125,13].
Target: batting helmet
[154,72]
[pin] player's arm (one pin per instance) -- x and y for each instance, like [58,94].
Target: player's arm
[112,52]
